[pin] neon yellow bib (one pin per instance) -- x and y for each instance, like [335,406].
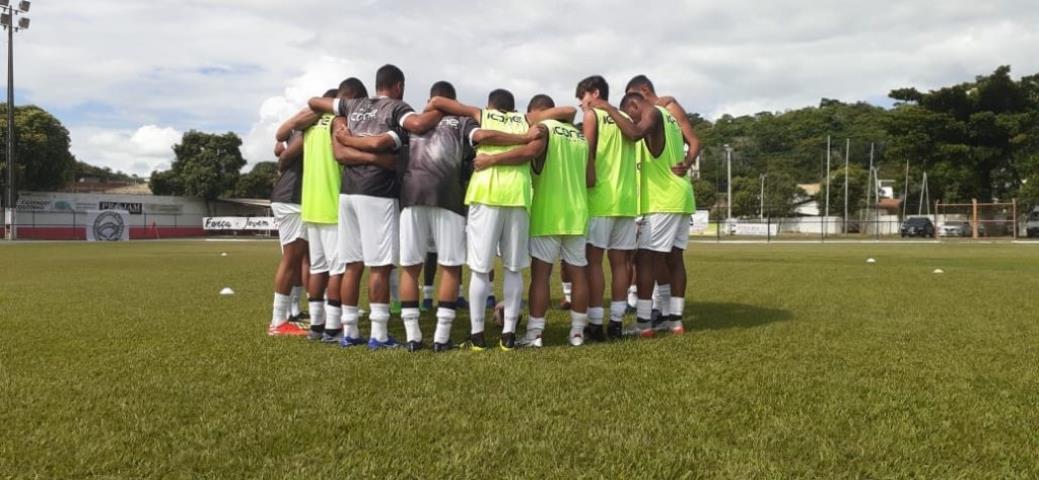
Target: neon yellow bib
[560,205]
[321,175]
[616,187]
[501,185]
[661,191]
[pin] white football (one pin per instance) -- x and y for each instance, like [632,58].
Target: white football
[871,260]
[227,291]
[938,270]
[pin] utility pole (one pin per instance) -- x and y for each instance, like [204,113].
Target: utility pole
[826,211]
[7,19]
[847,154]
[905,196]
[762,197]
[728,184]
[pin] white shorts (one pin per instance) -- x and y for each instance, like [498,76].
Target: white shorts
[290,223]
[492,231]
[612,233]
[662,232]
[571,248]
[431,229]
[373,226]
[324,247]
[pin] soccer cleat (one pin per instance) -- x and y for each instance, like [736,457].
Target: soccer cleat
[390,343]
[640,329]
[507,342]
[654,316]
[332,337]
[492,302]
[444,347]
[427,305]
[531,340]
[673,325]
[476,342]
[564,304]
[461,303]
[315,333]
[615,330]
[348,342]
[413,346]
[594,333]
[286,330]
[576,338]
[395,307]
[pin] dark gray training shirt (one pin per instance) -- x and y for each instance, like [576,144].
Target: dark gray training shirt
[370,117]
[289,186]
[434,176]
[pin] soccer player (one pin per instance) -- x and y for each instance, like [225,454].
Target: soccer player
[612,205]
[558,217]
[664,318]
[498,198]
[433,197]
[285,204]
[369,204]
[665,199]
[319,213]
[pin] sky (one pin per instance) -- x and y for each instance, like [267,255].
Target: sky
[127,78]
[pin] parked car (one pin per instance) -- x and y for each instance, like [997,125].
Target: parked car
[1032,225]
[956,228]
[917,227]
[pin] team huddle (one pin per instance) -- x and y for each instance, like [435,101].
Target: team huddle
[368,182]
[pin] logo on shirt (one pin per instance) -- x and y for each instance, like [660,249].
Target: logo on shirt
[362,115]
[568,133]
[504,118]
[450,122]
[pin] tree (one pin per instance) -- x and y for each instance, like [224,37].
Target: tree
[42,157]
[207,165]
[259,182]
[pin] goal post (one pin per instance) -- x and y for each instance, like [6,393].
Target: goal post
[976,220]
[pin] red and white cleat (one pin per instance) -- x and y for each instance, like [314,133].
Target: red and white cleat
[286,330]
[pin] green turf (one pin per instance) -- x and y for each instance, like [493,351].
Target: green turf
[800,361]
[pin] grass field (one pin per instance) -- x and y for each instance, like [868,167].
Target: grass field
[121,361]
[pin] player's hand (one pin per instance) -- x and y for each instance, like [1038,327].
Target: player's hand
[483,162]
[535,133]
[431,105]
[681,169]
[598,103]
[279,148]
[665,101]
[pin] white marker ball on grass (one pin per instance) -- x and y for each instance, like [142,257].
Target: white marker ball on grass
[938,270]
[223,254]
[871,260]
[227,291]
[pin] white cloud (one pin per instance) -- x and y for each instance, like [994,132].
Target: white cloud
[244,65]
[139,151]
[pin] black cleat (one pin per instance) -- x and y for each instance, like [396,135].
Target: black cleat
[444,347]
[507,342]
[476,342]
[414,346]
[594,333]
[615,330]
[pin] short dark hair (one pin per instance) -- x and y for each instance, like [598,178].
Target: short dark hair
[332,93]
[352,88]
[640,81]
[540,102]
[443,89]
[631,97]
[594,82]
[388,76]
[502,99]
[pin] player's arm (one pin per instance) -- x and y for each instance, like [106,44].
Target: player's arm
[591,134]
[374,144]
[492,137]
[453,107]
[323,105]
[629,129]
[688,134]
[516,156]
[350,156]
[292,153]
[419,123]
[300,121]
[563,114]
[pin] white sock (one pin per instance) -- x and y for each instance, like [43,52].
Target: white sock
[350,322]
[633,296]
[296,296]
[333,316]
[577,322]
[568,287]
[445,317]
[677,307]
[644,310]
[461,293]
[535,325]
[479,287]
[380,318]
[617,311]
[595,315]
[663,302]
[281,310]
[411,326]
[395,285]
[513,290]
[656,296]
[317,313]
[427,292]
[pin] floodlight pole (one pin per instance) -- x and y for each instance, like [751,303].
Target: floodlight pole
[10,126]
[847,153]
[728,185]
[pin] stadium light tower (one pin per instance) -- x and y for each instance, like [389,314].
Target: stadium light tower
[728,185]
[10,21]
